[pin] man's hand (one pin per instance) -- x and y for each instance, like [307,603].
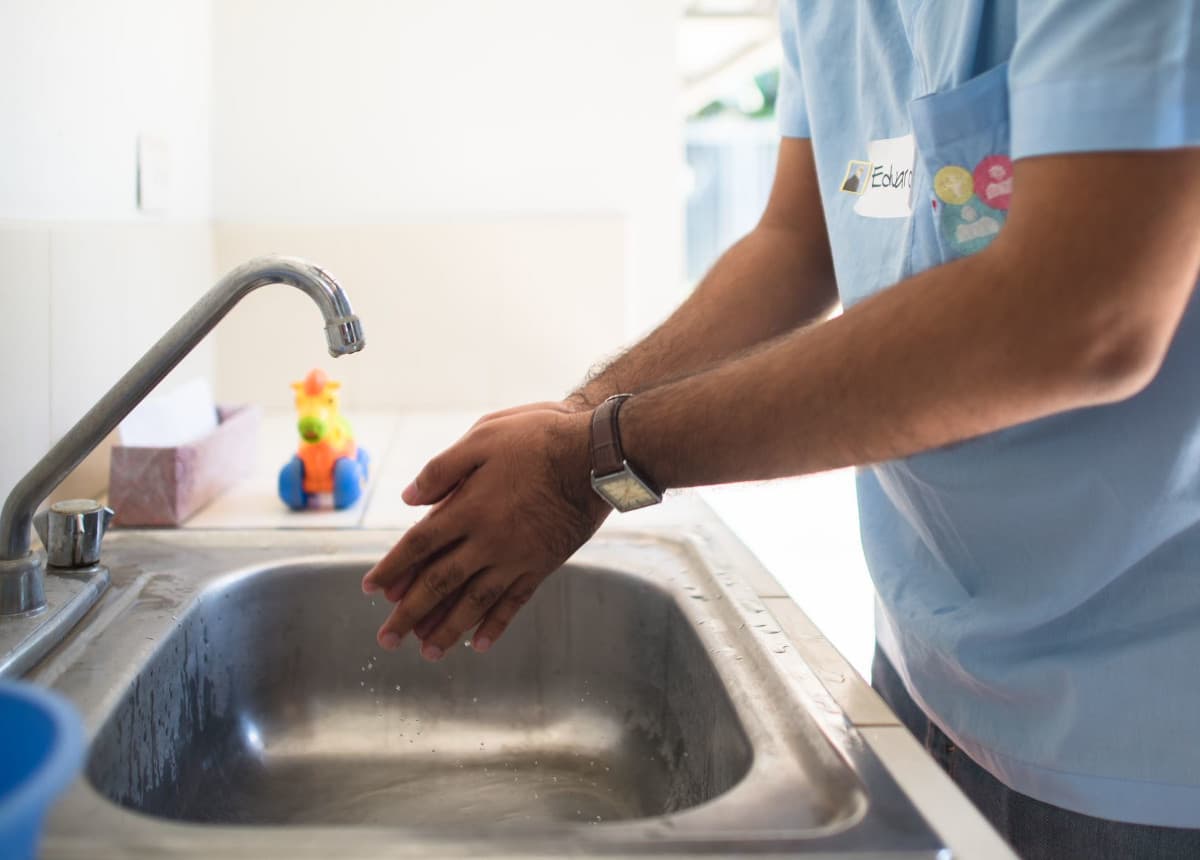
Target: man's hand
[511,502]
[567,406]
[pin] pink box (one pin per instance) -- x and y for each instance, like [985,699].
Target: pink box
[165,486]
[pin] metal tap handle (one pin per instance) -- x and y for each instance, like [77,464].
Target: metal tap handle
[72,532]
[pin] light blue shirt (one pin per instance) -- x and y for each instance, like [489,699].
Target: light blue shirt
[1039,588]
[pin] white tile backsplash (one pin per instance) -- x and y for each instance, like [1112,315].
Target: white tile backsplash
[80,302]
[89,344]
[24,349]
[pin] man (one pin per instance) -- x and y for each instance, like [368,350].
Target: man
[1017,371]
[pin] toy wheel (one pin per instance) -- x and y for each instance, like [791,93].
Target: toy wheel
[348,480]
[291,485]
[364,462]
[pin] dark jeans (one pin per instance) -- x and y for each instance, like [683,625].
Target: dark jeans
[1034,829]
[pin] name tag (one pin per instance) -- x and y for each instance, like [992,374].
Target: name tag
[883,183]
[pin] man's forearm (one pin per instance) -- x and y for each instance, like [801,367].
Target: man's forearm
[874,384]
[766,284]
[948,355]
[1074,304]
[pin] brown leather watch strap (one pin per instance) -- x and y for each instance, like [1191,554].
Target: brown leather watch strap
[607,456]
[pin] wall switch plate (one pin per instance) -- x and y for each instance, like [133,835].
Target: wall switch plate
[153,172]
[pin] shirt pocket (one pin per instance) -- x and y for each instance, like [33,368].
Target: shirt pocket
[964,173]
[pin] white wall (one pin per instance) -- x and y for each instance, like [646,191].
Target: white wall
[80,80]
[508,170]
[460,119]
[87,282]
[459,314]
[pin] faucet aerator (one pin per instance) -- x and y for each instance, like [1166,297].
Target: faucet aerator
[345,336]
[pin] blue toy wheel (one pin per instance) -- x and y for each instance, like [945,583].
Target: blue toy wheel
[364,461]
[291,485]
[348,480]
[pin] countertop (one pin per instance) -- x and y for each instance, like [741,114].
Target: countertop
[400,444]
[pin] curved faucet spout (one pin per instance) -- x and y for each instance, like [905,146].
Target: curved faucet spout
[343,332]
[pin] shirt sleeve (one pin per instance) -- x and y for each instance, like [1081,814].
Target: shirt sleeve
[1093,75]
[790,106]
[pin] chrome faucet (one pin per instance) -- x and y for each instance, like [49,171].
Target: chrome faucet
[22,571]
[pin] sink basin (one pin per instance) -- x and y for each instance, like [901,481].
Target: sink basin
[644,704]
[272,704]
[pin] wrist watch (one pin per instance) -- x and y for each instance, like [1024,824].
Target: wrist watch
[613,479]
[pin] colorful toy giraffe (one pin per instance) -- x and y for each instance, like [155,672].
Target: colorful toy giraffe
[328,460]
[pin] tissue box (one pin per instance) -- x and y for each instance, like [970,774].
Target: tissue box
[164,486]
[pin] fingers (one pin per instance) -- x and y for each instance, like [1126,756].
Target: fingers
[436,582]
[396,591]
[476,599]
[427,624]
[421,542]
[444,472]
[503,612]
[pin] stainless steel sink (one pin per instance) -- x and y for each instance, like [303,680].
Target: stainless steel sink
[644,704]
[272,704]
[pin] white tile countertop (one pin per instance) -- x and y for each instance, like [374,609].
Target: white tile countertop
[809,572]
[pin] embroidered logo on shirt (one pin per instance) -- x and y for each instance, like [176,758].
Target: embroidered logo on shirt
[974,203]
[993,181]
[954,185]
[883,183]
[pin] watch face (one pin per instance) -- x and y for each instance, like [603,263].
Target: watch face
[624,491]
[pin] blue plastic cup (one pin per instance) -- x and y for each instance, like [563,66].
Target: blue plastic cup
[41,751]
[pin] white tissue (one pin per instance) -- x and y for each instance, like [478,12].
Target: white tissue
[175,418]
